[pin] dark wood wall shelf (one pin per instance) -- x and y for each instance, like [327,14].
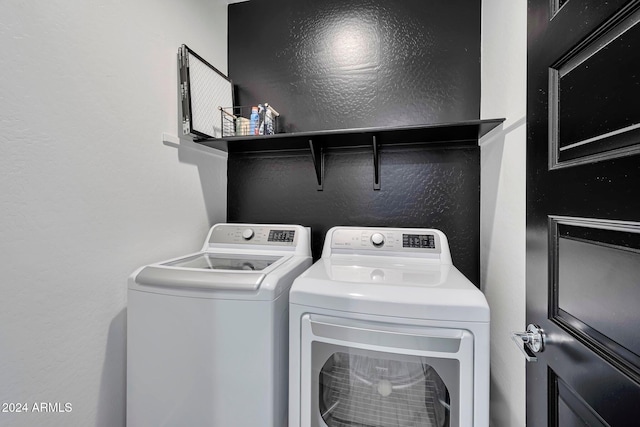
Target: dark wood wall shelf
[454,135]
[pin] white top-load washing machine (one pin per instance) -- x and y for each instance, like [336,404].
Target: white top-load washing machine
[386,332]
[207,334]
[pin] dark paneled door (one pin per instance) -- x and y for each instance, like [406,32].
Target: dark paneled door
[583,212]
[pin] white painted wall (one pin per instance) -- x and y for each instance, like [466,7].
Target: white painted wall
[89,192]
[502,201]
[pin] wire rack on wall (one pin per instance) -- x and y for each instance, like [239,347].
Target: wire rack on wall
[249,120]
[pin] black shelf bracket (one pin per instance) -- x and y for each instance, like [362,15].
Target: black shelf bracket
[317,154]
[376,164]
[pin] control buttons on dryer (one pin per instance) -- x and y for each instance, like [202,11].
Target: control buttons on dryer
[247,234]
[377,239]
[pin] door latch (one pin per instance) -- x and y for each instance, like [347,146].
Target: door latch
[529,342]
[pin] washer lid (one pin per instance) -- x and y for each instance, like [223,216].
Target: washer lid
[207,270]
[214,261]
[390,287]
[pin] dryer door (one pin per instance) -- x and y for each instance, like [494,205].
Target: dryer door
[376,374]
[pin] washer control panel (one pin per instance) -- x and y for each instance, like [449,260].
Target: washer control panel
[253,235]
[410,240]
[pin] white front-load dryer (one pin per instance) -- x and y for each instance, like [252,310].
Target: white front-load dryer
[207,333]
[386,332]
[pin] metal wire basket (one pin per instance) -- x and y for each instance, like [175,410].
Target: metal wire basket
[249,121]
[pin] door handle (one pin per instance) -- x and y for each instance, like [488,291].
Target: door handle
[529,342]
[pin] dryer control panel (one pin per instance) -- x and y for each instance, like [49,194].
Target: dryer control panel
[423,243]
[387,240]
[253,235]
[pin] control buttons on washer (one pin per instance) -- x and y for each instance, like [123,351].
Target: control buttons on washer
[377,239]
[247,234]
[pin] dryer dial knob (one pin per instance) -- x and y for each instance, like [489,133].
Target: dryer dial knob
[377,239]
[247,234]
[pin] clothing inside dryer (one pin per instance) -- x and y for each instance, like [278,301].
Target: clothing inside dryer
[357,390]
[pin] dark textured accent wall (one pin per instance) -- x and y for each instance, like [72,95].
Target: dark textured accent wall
[331,64]
[420,188]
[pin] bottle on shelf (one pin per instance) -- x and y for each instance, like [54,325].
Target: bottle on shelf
[254,121]
[268,120]
[261,123]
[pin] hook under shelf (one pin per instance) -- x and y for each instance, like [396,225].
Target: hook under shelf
[317,154]
[376,164]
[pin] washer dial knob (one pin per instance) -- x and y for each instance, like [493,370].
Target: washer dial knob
[377,239]
[247,234]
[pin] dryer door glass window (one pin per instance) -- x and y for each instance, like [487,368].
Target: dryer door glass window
[382,390]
